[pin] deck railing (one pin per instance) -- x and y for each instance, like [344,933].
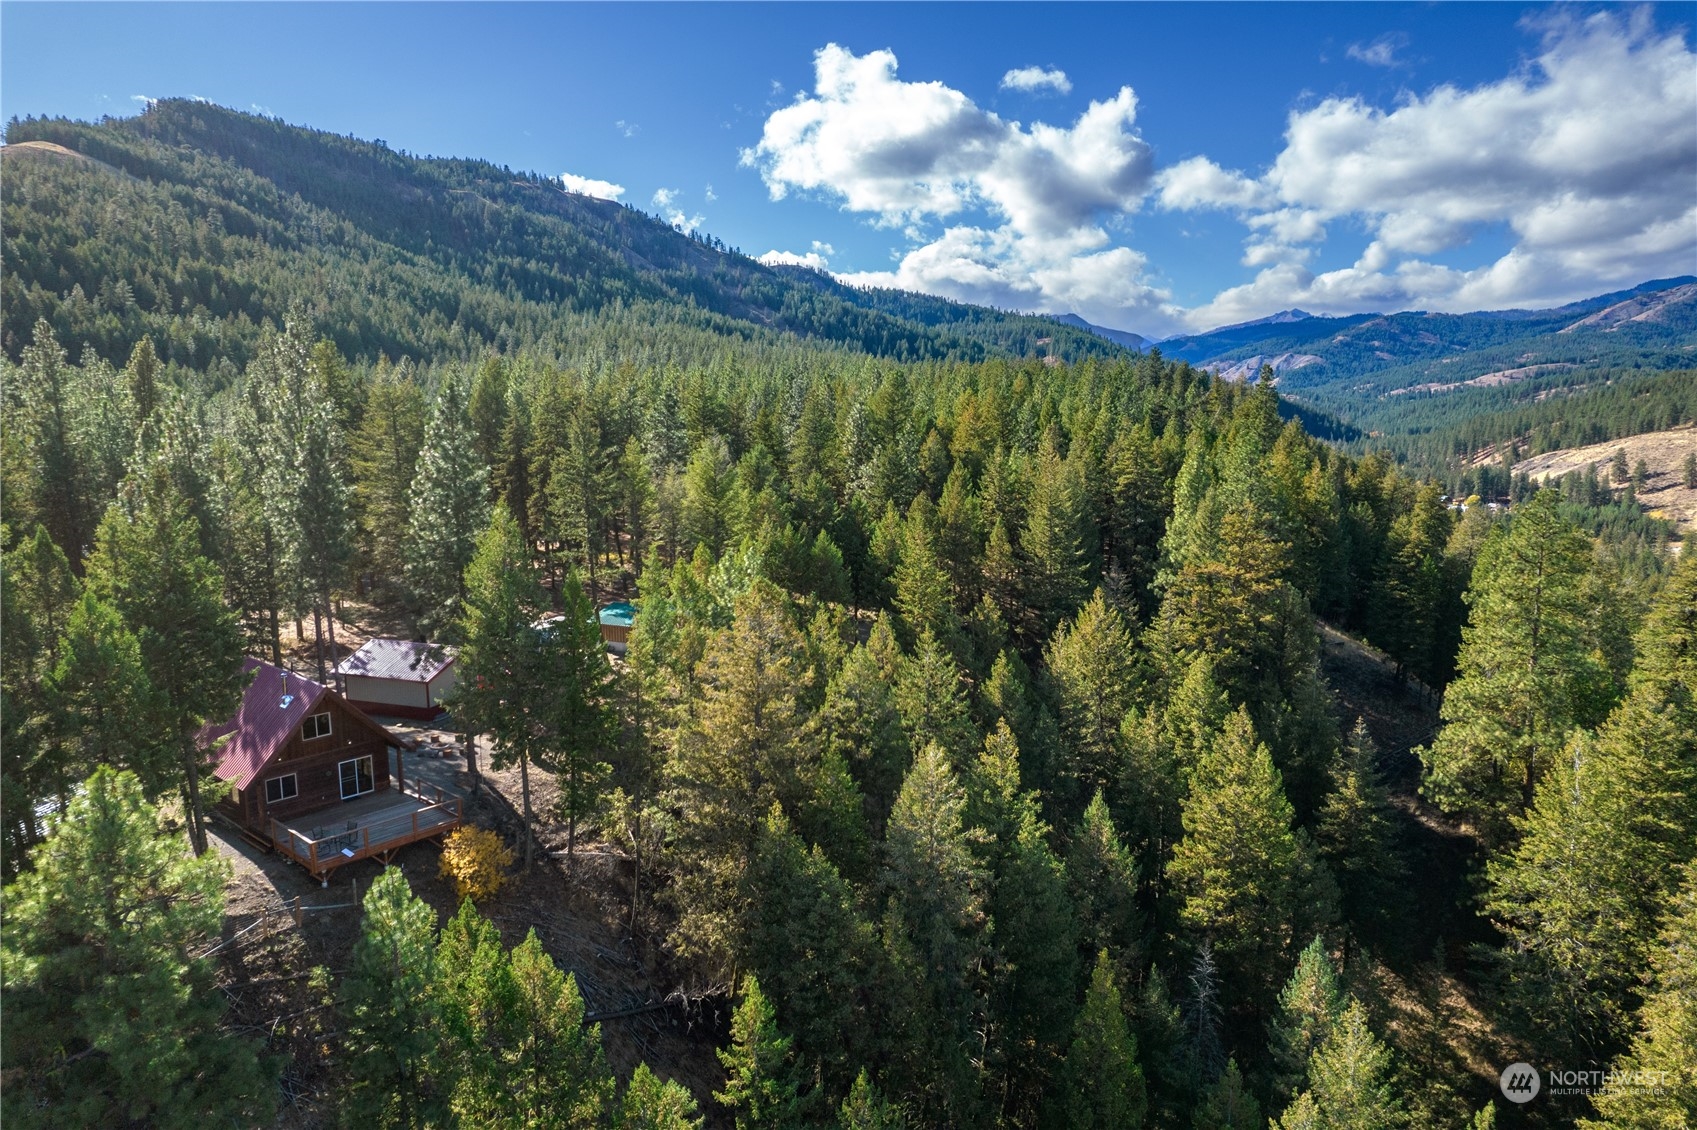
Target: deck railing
[376,835]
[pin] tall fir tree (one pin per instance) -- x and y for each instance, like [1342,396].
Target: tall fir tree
[867,1109]
[1228,1104]
[745,748]
[1241,870]
[1357,838]
[1310,1006]
[1092,664]
[384,455]
[1033,966]
[500,690]
[761,1088]
[811,950]
[1350,1084]
[934,927]
[147,565]
[650,1104]
[1659,1070]
[1102,1084]
[1524,660]
[1102,877]
[101,706]
[447,510]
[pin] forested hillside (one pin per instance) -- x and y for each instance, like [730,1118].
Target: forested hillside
[197,225]
[972,747]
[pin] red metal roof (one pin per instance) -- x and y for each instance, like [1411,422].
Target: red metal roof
[276,702]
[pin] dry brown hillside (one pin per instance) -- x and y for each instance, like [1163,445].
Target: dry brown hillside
[1665,494]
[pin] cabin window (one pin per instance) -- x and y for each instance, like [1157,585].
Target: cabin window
[317,726]
[279,789]
[356,777]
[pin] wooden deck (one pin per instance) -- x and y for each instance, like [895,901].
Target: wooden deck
[376,825]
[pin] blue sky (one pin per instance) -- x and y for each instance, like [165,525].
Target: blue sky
[1155,167]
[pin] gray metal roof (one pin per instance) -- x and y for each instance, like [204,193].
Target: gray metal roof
[411,661]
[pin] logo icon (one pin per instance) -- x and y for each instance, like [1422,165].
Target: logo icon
[1520,1082]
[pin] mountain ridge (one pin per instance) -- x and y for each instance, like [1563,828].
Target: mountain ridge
[459,255]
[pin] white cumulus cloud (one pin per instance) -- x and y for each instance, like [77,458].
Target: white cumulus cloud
[666,199]
[1382,52]
[1037,78]
[1022,208]
[589,186]
[1586,157]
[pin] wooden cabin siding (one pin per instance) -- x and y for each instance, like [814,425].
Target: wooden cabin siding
[316,765]
[318,778]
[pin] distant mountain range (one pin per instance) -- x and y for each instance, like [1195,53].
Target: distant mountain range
[199,225]
[1374,370]
[1119,337]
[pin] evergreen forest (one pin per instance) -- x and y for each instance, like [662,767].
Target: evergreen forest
[973,761]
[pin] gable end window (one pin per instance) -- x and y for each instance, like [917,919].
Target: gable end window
[279,789]
[317,726]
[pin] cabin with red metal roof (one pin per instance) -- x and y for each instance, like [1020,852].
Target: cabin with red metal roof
[309,776]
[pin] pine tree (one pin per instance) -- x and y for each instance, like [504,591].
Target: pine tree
[924,595]
[706,486]
[38,593]
[477,1004]
[1227,1104]
[325,517]
[761,1088]
[1239,868]
[384,455]
[1054,541]
[147,566]
[101,707]
[866,1109]
[650,1104]
[1102,1083]
[1102,876]
[557,1076]
[932,702]
[934,936]
[810,949]
[1310,1007]
[1660,1068]
[1691,470]
[747,746]
[859,720]
[447,510]
[1356,838]
[43,389]
[500,690]
[391,1014]
[571,705]
[110,1019]
[143,375]
[1579,897]
[1141,501]
[1349,1082]
[1033,957]
[1524,657]
[1092,664]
